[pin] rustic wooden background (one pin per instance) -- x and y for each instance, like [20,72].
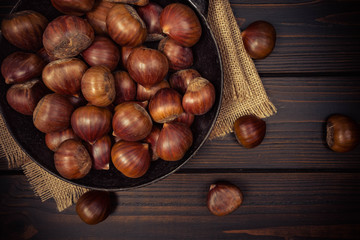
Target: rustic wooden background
[294,186]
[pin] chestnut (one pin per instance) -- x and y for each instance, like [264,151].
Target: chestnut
[125,53]
[342,133]
[186,118]
[64,75]
[180,23]
[23,97]
[94,206]
[151,139]
[147,66]
[150,14]
[97,16]
[249,130]
[73,7]
[131,122]
[102,51]
[181,79]
[54,139]
[100,153]
[72,160]
[52,113]
[67,36]
[259,39]
[125,26]
[19,67]
[24,29]
[144,93]
[91,123]
[165,105]
[179,57]
[223,198]
[98,86]
[131,158]
[45,56]
[125,87]
[174,141]
[199,96]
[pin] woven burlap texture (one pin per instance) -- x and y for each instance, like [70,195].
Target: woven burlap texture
[243,94]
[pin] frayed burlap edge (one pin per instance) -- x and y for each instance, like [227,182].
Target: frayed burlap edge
[244,92]
[47,186]
[44,185]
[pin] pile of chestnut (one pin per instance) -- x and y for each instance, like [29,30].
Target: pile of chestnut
[98,92]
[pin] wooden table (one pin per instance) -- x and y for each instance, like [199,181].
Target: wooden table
[294,186]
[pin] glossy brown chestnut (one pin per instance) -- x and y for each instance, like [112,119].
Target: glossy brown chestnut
[103,51]
[125,26]
[125,87]
[19,67]
[77,101]
[174,141]
[342,133]
[24,29]
[180,23]
[54,139]
[98,86]
[44,55]
[150,14]
[97,16]
[67,36]
[64,75]
[259,39]
[199,96]
[249,130]
[94,206]
[73,7]
[147,66]
[179,57]
[223,198]
[131,122]
[23,97]
[131,158]
[151,139]
[91,123]
[181,79]
[72,160]
[186,118]
[100,153]
[165,105]
[52,113]
[144,93]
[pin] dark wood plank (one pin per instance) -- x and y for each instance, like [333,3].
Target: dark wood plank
[312,36]
[276,205]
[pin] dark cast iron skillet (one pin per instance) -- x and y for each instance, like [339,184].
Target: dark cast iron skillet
[206,60]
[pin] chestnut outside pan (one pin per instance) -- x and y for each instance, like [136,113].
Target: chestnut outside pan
[206,60]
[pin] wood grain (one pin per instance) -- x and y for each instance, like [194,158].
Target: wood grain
[301,204]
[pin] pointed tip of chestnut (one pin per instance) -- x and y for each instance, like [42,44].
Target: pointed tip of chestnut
[223,198]
[249,130]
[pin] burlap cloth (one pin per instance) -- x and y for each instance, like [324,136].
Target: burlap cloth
[243,94]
